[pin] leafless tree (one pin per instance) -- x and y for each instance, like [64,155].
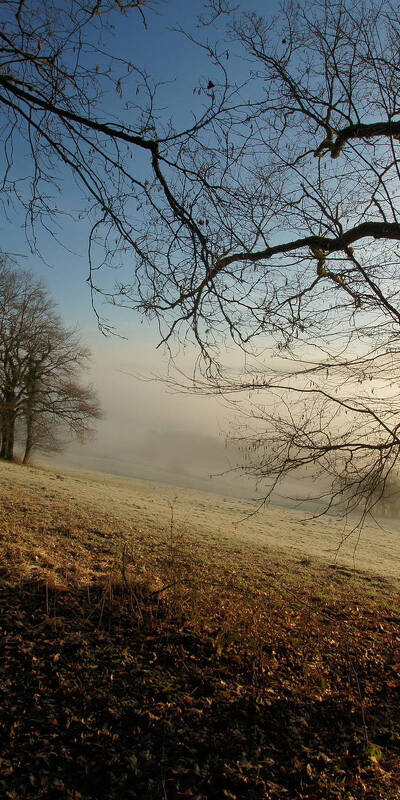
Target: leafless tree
[76,109]
[270,221]
[61,408]
[25,312]
[45,435]
[40,360]
[296,191]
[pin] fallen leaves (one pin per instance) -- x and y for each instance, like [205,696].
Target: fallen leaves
[220,688]
[111,713]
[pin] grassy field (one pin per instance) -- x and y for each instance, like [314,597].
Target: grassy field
[153,648]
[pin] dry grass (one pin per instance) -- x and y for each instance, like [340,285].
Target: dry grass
[50,534]
[238,627]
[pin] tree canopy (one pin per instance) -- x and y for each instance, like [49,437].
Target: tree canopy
[40,363]
[271,221]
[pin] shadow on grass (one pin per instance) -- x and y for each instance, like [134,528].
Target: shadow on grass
[143,706]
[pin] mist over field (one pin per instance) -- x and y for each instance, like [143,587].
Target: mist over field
[181,458]
[151,432]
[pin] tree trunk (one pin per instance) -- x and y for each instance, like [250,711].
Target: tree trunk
[3,448]
[5,437]
[9,416]
[27,453]
[10,438]
[29,438]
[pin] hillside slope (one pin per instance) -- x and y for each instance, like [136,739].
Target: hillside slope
[148,657]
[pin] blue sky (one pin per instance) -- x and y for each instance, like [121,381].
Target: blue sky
[131,407]
[168,56]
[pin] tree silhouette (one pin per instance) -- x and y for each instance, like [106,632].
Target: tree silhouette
[40,361]
[270,221]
